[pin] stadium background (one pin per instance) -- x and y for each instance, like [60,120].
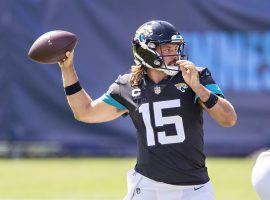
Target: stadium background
[230,37]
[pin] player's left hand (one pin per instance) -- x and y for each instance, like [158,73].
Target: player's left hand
[189,73]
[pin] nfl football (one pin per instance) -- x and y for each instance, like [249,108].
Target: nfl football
[51,47]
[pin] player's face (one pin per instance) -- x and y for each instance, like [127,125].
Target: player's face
[169,53]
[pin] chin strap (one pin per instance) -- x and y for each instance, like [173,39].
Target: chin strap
[170,70]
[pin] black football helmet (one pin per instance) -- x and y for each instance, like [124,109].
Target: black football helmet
[148,37]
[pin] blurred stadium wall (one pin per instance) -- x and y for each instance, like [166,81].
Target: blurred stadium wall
[231,37]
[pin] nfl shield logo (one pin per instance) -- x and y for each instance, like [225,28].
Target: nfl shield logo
[157,89]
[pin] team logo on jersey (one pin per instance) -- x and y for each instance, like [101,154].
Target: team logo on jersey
[157,89]
[181,86]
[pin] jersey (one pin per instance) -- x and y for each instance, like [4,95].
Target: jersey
[169,124]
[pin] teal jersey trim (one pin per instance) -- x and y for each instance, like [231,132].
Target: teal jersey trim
[213,88]
[111,101]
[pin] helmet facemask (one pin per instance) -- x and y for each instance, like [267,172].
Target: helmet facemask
[171,68]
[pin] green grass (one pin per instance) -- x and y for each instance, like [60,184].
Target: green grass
[102,179]
[231,178]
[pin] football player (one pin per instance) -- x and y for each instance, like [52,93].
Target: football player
[261,175]
[165,96]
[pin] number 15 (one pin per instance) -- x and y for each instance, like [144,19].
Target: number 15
[161,121]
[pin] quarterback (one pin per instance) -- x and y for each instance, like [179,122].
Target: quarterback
[165,96]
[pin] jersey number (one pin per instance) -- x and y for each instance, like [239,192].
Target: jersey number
[161,121]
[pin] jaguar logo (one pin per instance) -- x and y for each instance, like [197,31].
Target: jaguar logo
[145,30]
[181,86]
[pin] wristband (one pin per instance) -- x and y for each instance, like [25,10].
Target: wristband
[72,89]
[211,101]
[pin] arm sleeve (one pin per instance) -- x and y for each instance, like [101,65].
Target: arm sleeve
[113,96]
[208,82]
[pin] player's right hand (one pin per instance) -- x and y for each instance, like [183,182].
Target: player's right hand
[68,61]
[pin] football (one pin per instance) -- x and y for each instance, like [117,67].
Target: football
[51,47]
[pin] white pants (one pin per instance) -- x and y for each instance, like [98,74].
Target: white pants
[261,175]
[143,188]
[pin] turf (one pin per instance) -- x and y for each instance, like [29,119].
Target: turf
[105,178]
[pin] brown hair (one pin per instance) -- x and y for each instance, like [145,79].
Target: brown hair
[137,72]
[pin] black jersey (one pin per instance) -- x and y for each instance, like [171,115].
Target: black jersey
[169,126]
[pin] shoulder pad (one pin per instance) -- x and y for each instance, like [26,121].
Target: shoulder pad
[200,69]
[123,79]
[204,72]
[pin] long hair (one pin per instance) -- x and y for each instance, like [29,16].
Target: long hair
[137,72]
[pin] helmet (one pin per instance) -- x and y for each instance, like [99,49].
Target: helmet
[148,37]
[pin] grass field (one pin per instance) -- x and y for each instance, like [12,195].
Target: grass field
[105,178]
